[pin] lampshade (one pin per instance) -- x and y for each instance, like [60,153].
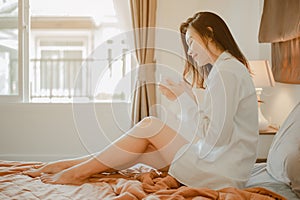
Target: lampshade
[261,73]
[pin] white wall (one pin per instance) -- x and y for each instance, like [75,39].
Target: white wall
[53,131]
[242,17]
[279,101]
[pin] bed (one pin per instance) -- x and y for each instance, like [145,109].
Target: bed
[261,178]
[139,182]
[278,178]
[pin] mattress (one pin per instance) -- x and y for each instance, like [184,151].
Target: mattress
[261,178]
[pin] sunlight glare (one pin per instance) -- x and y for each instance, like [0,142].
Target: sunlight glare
[97,9]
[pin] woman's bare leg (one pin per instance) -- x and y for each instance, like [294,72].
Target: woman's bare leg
[54,167]
[126,151]
[57,166]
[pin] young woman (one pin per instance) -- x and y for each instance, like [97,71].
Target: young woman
[222,148]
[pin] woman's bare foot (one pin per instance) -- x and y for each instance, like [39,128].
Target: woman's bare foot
[65,177]
[50,168]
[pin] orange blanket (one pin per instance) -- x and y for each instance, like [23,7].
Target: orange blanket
[138,184]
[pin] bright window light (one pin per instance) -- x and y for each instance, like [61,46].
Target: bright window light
[98,9]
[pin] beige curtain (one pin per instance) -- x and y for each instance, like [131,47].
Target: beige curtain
[280,25]
[143,14]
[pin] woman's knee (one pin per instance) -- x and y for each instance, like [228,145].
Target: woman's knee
[150,120]
[148,127]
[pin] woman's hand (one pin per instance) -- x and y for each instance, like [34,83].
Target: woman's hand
[172,90]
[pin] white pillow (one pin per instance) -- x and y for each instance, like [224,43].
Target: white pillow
[285,142]
[293,171]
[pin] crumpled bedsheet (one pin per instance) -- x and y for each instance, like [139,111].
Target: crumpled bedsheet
[131,184]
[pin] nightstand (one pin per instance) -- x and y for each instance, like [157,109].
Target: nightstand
[264,143]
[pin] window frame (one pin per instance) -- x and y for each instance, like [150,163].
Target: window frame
[23,55]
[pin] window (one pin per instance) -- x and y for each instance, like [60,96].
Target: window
[54,68]
[9,49]
[58,64]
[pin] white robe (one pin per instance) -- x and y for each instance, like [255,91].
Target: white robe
[222,130]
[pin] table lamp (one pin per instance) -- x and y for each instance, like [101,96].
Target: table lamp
[262,77]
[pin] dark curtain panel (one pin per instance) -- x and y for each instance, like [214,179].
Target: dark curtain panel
[280,25]
[286,61]
[280,21]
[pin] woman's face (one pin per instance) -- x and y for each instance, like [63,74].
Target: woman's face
[196,47]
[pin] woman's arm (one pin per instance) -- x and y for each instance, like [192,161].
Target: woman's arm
[173,90]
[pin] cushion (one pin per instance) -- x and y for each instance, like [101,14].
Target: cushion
[285,143]
[293,170]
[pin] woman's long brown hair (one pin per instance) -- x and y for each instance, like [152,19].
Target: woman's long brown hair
[203,23]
